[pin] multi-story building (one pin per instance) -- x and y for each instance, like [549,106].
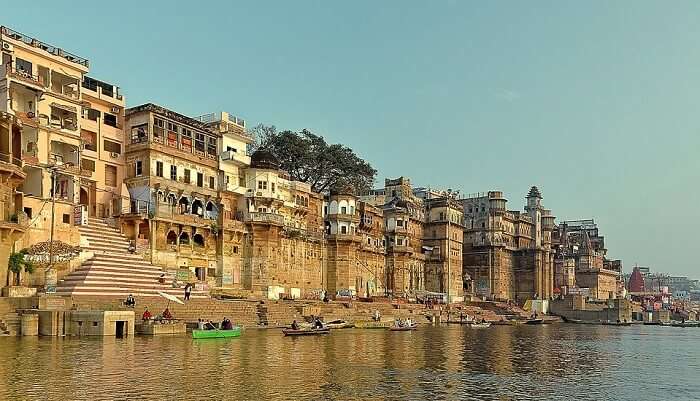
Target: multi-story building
[507,254]
[284,246]
[404,218]
[42,85]
[580,249]
[102,157]
[172,177]
[233,160]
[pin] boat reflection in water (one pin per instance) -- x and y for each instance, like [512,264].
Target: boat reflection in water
[560,361]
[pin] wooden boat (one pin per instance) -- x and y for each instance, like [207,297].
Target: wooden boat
[404,328]
[534,321]
[483,325]
[617,323]
[338,324]
[235,332]
[305,332]
[684,324]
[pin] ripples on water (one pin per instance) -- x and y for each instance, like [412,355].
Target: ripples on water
[560,362]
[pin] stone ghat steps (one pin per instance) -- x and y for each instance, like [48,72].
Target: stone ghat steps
[9,324]
[114,272]
[240,312]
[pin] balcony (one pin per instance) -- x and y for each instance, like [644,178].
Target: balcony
[63,117]
[25,77]
[264,218]
[236,158]
[344,237]
[65,86]
[344,217]
[401,248]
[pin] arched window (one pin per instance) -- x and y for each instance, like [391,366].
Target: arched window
[172,199]
[160,196]
[171,238]
[184,238]
[198,239]
[197,207]
[210,210]
[184,205]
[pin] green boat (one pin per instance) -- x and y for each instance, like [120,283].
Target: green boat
[235,332]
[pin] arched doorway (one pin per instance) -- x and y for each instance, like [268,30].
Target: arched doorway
[209,211]
[198,240]
[184,238]
[171,238]
[84,197]
[197,207]
[184,205]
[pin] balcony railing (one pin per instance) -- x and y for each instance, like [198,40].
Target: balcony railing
[262,217]
[24,76]
[44,46]
[4,157]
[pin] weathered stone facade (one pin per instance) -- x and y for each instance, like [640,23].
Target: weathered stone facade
[508,254]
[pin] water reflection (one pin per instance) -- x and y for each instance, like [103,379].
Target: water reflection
[504,363]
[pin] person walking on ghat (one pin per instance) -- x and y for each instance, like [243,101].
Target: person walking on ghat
[188,291]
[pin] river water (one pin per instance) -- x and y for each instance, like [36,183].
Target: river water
[560,362]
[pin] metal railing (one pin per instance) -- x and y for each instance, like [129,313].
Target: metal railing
[56,51]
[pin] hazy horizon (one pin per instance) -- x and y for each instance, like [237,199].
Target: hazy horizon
[595,103]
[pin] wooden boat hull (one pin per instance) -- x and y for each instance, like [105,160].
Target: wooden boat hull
[372,325]
[409,328]
[480,325]
[534,321]
[202,334]
[314,332]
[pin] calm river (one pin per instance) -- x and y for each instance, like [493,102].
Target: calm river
[562,362]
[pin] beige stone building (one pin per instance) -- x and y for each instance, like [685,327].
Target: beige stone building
[508,254]
[581,264]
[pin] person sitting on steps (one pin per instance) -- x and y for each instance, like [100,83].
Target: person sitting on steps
[130,301]
[146,315]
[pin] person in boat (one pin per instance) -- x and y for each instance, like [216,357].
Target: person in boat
[146,315]
[226,324]
[130,301]
[209,326]
[318,324]
[408,322]
[200,324]
[295,325]
[167,315]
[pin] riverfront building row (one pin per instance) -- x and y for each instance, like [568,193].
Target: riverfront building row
[146,191]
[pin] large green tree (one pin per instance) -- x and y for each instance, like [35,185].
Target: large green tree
[307,157]
[17,263]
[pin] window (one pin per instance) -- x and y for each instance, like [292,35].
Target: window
[23,66]
[173,173]
[399,223]
[442,215]
[211,146]
[110,175]
[28,212]
[199,142]
[200,179]
[399,241]
[273,187]
[89,140]
[343,230]
[110,119]
[262,184]
[87,164]
[159,169]
[110,146]
[235,249]
[139,168]
[66,218]
[187,176]
[91,114]
[211,182]
[343,210]
[139,133]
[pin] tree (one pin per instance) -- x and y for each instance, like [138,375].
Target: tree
[308,158]
[17,263]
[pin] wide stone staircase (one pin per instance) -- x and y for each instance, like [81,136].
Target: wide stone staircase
[113,271]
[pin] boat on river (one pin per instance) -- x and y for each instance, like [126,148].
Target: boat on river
[482,325]
[305,332]
[217,333]
[404,328]
[370,324]
[338,324]
[685,324]
[534,321]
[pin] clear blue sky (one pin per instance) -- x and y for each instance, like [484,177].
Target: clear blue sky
[594,102]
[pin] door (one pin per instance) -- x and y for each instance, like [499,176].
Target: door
[121,329]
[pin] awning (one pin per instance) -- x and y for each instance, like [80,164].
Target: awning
[64,107]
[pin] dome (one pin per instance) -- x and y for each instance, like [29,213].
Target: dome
[263,158]
[534,193]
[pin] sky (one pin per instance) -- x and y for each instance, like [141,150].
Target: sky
[594,102]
